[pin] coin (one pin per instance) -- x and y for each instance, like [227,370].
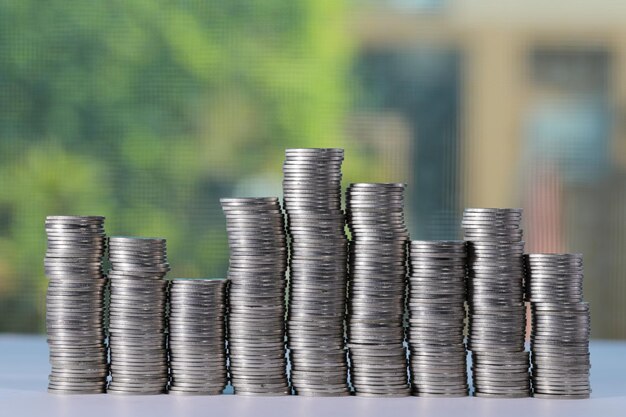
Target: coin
[436,318]
[560,326]
[497,320]
[256,295]
[377,280]
[317,270]
[137,315]
[75,304]
[196,336]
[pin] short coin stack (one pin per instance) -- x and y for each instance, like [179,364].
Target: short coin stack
[318,269]
[137,315]
[377,289]
[561,326]
[497,315]
[437,318]
[197,336]
[75,304]
[256,321]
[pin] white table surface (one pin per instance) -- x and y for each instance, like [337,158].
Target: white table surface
[24,372]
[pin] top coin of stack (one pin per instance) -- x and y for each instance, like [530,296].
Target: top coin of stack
[437,318]
[256,321]
[561,326]
[312,196]
[137,315]
[377,289]
[496,302]
[75,304]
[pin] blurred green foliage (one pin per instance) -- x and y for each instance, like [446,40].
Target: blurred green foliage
[146,112]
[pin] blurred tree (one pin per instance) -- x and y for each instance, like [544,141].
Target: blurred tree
[147,112]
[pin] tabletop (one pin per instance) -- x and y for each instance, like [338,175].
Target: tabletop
[24,371]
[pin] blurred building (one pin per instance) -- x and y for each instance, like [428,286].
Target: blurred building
[509,103]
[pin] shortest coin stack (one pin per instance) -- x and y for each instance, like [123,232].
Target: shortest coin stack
[561,326]
[75,304]
[437,318]
[137,315]
[197,344]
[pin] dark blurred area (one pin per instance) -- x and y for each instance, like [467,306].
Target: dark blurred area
[148,112]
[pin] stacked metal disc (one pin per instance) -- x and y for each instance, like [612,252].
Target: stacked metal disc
[437,293]
[75,304]
[137,323]
[497,316]
[256,321]
[378,365]
[561,326]
[317,304]
[197,344]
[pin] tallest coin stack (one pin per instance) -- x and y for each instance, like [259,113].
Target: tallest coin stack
[318,276]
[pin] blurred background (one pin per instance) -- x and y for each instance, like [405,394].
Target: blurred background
[147,112]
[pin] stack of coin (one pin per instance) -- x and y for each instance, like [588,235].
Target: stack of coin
[75,304]
[560,326]
[256,321]
[137,322]
[497,315]
[196,342]
[437,318]
[378,365]
[318,271]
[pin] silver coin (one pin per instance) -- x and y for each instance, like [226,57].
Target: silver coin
[258,262]
[197,363]
[560,326]
[495,296]
[377,286]
[137,321]
[312,196]
[437,360]
[75,304]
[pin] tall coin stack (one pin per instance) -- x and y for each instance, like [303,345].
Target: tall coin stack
[317,304]
[497,316]
[256,321]
[196,342]
[561,326]
[75,304]
[137,315]
[378,365]
[437,318]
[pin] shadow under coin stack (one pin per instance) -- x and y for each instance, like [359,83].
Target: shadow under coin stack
[318,269]
[560,326]
[75,304]
[256,320]
[137,315]
[437,318]
[196,340]
[377,286]
[497,315]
